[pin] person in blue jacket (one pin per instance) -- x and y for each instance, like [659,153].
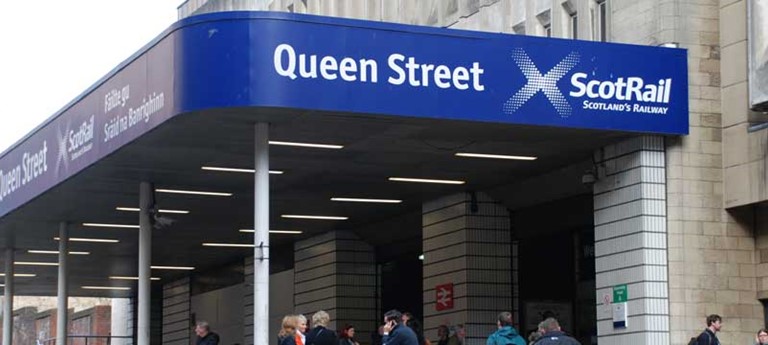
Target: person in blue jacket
[506,334]
[553,335]
[395,332]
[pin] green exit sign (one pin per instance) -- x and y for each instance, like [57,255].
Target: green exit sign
[620,293]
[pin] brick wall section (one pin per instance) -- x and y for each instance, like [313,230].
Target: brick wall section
[744,154]
[101,320]
[470,248]
[761,255]
[176,313]
[631,241]
[711,252]
[336,272]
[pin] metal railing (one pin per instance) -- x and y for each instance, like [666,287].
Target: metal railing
[85,340]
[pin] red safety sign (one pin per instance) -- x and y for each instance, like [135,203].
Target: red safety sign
[444,297]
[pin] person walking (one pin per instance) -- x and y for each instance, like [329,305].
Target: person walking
[395,332]
[320,334]
[347,336]
[505,334]
[442,335]
[553,335]
[709,335]
[204,334]
[287,334]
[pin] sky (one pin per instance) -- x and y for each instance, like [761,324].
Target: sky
[53,50]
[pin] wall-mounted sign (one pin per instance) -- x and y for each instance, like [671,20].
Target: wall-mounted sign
[444,297]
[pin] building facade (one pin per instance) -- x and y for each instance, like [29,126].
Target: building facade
[689,234]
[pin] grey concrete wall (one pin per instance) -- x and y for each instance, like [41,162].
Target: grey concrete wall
[336,272]
[631,240]
[176,313]
[468,245]
[281,287]
[746,181]
[223,310]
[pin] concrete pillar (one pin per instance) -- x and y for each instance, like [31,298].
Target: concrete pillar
[631,240]
[8,306]
[261,235]
[146,192]
[121,321]
[336,272]
[62,330]
[467,244]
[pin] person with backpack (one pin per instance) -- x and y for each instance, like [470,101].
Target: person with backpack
[553,335]
[709,335]
[506,334]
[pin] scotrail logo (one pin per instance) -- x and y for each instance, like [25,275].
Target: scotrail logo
[617,94]
[62,158]
[537,82]
[73,144]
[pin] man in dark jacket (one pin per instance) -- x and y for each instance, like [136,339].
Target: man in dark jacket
[204,334]
[506,334]
[553,335]
[320,335]
[396,333]
[709,336]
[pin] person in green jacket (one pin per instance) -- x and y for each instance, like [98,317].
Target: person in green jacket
[506,334]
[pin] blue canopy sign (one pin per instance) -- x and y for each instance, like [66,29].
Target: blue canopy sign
[261,59]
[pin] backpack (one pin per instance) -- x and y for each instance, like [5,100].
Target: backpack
[695,340]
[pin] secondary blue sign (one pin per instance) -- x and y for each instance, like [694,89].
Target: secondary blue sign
[261,59]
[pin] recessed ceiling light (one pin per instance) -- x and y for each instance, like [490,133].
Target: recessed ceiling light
[493,156]
[21,275]
[229,245]
[121,288]
[424,180]
[130,278]
[192,192]
[136,209]
[302,216]
[105,225]
[240,170]
[275,231]
[94,240]
[34,251]
[35,263]
[319,146]
[381,201]
[181,268]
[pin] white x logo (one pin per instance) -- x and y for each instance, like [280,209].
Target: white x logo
[545,83]
[63,157]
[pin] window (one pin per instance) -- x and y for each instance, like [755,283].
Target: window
[519,29]
[602,20]
[570,19]
[545,20]
[574,26]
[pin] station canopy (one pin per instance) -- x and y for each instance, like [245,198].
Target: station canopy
[390,101]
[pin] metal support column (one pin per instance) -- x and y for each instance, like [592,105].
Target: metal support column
[261,236]
[145,258]
[8,305]
[63,293]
